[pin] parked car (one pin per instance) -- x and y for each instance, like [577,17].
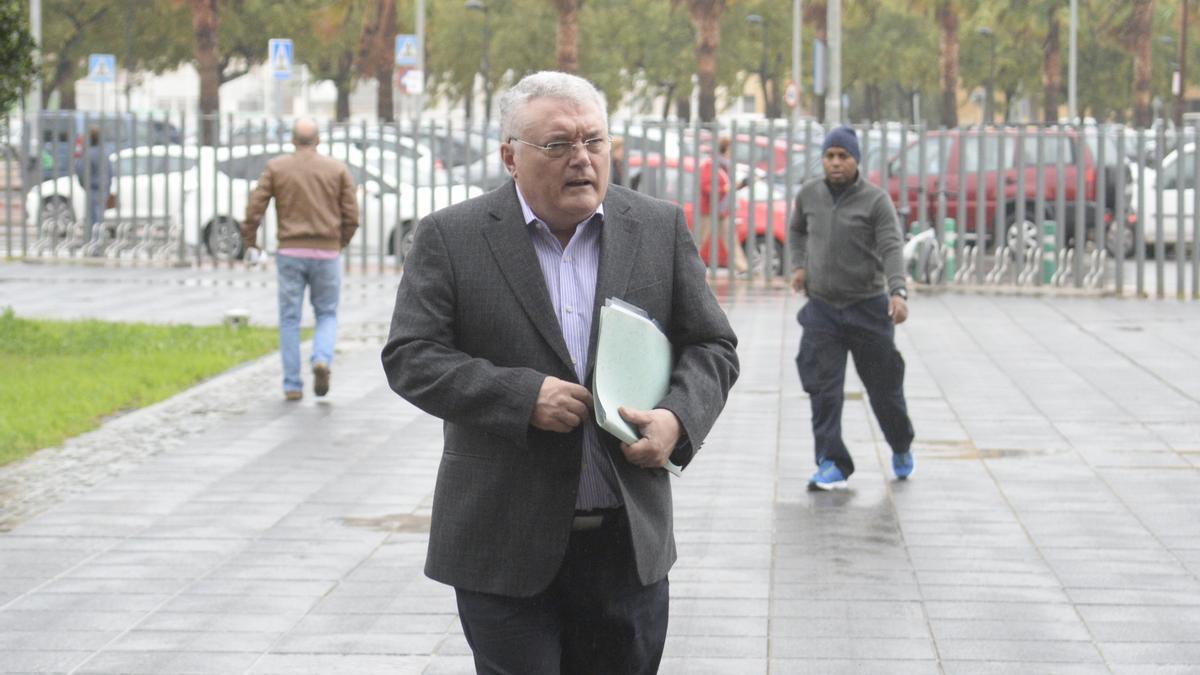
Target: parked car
[63,136]
[407,147]
[488,172]
[960,150]
[205,190]
[674,179]
[1175,228]
[757,151]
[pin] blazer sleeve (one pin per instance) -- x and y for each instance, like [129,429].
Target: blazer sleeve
[707,363]
[426,368]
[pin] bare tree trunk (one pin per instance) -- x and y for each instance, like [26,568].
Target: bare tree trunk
[814,15]
[206,22]
[1052,66]
[683,107]
[1143,14]
[568,34]
[375,58]
[948,20]
[342,106]
[706,17]
[668,98]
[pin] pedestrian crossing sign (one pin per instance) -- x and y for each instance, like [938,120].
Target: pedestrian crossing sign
[102,68]
[407,53]
[279,56]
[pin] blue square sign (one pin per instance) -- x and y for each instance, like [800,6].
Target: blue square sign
[279,58]
[102,68]
[407,51]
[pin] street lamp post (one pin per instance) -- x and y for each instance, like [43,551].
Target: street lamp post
[986,32]
[484,65]
[755,19]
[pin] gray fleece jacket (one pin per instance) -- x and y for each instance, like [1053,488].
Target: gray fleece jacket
[851,249]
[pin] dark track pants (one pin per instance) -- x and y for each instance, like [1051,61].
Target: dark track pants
[865,330]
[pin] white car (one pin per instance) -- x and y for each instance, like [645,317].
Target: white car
[204,190]
[1146,205]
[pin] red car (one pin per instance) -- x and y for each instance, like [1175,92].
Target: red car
[1002,150]
[674,179]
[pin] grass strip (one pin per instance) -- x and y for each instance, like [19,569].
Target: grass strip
[63,378]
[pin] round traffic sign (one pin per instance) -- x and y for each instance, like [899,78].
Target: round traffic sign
[791,94]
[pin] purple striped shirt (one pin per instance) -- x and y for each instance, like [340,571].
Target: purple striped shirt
[570,275]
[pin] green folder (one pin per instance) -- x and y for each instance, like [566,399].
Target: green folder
[633,368]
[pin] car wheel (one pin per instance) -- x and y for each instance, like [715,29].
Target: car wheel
[57,216]
[223,238]
[755,253]
[407,232]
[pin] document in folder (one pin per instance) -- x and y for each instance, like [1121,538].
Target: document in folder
[633,367]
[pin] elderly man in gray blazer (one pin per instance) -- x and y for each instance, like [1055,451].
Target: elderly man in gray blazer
[556,537]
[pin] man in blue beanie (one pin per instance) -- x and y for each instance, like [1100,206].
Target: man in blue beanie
[847,257]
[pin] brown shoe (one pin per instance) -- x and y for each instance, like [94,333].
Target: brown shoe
[293,395]
[320,379]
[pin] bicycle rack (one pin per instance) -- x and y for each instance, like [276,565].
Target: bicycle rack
[1066,260]
[1095,275]
[970,258]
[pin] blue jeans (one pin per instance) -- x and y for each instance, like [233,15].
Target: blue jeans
[324,280]
[865,330]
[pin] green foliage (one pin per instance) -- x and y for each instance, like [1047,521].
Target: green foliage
[63,378]
[16,52]
[634,50]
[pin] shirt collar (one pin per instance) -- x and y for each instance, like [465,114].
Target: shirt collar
[531,217]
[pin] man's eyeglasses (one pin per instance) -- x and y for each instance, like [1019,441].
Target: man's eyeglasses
[560,149]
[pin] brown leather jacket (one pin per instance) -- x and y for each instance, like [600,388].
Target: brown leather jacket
[315,202]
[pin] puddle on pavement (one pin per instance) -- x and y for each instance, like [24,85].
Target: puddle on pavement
[401,522]
[946,449]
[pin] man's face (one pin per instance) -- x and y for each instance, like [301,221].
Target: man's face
[840,167]
[566,190]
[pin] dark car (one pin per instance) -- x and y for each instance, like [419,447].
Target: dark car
[63,135]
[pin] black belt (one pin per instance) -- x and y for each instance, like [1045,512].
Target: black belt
[595,519]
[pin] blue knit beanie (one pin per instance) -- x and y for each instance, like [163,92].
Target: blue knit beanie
[845,138]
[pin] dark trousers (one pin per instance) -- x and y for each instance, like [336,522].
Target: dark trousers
[596,617]
[865,330]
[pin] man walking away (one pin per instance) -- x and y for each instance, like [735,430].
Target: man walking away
[317,214]
[847,256]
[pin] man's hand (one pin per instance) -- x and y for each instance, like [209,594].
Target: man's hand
[898,309]
[798,279]
[660,435]
[253,256]
[561,405]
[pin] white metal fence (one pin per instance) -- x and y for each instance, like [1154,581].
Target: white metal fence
[1102,207]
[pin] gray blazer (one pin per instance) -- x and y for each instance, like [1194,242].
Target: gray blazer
[473,336]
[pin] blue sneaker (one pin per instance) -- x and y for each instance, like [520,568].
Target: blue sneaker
[902,464]
[828,477]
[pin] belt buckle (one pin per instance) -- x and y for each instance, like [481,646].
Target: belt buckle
[584,523]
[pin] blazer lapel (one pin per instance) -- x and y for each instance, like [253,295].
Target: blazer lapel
[618,250]
[508,237]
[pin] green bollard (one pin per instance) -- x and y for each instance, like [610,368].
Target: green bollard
[1049,263]
[950,241]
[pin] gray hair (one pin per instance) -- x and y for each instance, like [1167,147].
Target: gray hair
[546,84]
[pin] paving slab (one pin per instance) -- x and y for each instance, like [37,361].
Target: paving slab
[1051,525]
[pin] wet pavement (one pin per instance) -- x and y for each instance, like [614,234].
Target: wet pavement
[1052,524]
